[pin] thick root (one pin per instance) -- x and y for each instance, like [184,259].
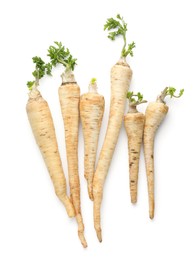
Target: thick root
[42,126]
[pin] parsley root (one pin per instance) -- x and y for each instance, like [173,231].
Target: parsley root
[154,115]
[69,96]
[91,113]
[41,122]
[134,125]
[120,79]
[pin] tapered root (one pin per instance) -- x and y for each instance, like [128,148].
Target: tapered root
[134,125]
[81,230]
[91,113]
[134,168]
[150,184]
[97,218]
[98,230]
[155,113]
[42,126]
[89,186]
[69,95]
[133,197]
[151,209]
[120,79]
[99,234]
[90,190]
[67,203]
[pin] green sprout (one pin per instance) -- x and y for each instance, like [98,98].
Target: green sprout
[134,101]
[169,91]
[58,54]
[93,81]
[93,85]
[41,69]
[30,84]
[119,28]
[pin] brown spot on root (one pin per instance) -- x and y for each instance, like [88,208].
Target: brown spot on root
[135,152]
[130,164]
[152,156]
[134,158]
[132,181]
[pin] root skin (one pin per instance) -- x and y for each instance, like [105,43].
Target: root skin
[154,115]
[120,79]
[91,113]
[69,95]
[41,122]
[134,125]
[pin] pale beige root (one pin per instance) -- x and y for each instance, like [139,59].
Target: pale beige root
[120,78]
[154,115]
[81,230]
[41,122]
[134,125]
[69,95]
[91,113]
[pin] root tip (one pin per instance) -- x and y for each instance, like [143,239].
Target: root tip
[86,176]
[82,239]
[133,201]
[71,215]
[84,245]
[91,197]
[99,235]
[81,230]
[133,196]
[151,215]
[70,211]
[90,192]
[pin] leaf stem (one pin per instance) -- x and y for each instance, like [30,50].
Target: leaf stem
[124,46]
[162,95]
[62,62]
[168,91]
[118,27]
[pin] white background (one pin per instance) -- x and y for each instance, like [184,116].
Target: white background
[33,223]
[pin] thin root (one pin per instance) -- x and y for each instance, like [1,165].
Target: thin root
[99,235]
[81,230]
[90,190]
